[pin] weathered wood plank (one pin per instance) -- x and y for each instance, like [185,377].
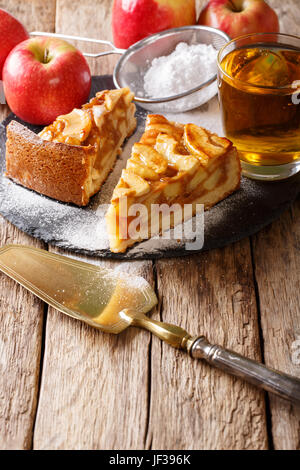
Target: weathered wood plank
[21,314]
[194,406]
[289,15]
[36,15]
[92,19]
[21,322]
[204,408]
[94,391]
[277,258]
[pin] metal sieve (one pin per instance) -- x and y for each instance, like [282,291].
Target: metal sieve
[136,60]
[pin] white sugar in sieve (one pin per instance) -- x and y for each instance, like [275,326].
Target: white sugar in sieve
[136,60]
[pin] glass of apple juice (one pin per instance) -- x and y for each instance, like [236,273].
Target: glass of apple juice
[259,94]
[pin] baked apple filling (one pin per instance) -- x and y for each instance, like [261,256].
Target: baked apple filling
[172,164]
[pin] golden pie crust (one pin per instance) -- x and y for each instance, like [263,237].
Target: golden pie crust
[70,159]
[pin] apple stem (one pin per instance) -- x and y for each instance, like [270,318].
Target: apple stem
[234,7]
[46,56]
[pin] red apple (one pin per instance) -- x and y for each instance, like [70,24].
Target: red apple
[45,77]
[133,20]
[238,17]
[11,33]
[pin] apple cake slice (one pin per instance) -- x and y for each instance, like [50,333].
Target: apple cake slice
[71,158]
[172,164]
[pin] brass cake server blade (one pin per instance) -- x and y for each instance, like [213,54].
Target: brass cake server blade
[112,301]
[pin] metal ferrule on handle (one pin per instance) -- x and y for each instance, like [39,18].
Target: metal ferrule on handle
[257,374]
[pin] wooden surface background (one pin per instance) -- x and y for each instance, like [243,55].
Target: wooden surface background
[64,385]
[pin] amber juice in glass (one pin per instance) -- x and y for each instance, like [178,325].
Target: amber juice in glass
[259,93]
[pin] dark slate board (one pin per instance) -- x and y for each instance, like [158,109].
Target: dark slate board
[82,230]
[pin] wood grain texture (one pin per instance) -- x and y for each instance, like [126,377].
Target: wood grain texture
[277,260]
[21,321]
[21,313]
[36,15]
[276,253]
[132,391]
[194,406]
[289,15]
[94,391]
[92,19]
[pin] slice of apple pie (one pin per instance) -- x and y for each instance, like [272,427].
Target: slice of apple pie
[71,158]
[172,164]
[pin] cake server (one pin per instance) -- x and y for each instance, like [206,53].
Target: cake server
[112,301]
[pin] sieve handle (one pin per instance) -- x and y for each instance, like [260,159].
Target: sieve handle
[113,50]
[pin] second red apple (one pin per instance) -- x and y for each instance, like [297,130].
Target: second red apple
[133,20]
[238,17]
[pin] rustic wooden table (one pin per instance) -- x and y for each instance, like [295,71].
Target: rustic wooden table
[64,385]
